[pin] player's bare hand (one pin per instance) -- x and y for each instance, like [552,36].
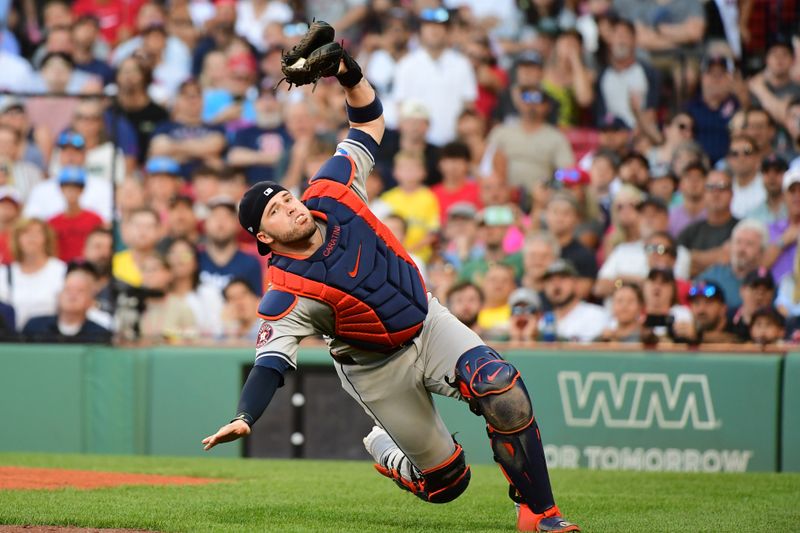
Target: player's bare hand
[227,433]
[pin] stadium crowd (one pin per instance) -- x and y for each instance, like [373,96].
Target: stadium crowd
[561,170]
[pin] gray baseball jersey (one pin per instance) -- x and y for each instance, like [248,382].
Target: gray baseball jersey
[394,387]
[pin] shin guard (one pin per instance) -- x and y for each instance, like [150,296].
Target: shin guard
[494,390]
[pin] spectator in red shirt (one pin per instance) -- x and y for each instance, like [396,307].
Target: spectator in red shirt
[75,223]
[491,78]
[456,186]
[116,18]
[10,209]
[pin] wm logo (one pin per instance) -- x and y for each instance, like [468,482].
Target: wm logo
[637,400]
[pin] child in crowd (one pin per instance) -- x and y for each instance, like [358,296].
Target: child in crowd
[75,223]
[415,202]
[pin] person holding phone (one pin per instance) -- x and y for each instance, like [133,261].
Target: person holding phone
[661,307]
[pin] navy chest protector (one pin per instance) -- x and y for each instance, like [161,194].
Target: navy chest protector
[361,271]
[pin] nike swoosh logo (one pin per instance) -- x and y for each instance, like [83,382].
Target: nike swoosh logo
[353,272]
[491,377]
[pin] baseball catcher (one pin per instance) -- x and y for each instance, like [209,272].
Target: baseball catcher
[337,271]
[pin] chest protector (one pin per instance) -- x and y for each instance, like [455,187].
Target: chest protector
[361,271]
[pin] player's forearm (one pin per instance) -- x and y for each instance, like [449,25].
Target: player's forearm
[258,390]
[362,96]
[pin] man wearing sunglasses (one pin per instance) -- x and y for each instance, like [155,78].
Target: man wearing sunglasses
[707,302]
[748,187]
[528,166]
[707,239]
[773,168]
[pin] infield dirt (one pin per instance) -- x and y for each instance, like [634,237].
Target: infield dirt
[26,478]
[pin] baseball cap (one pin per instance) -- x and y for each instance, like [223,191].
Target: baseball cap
[572,177]
[774,162]
[414,109]
[524,297]
[565,196]
[653,201]
[771,314]
[72,176]
[779,40]
[223,201]
[666,274]
[10,194]
[707,289]
[242,62]
[162,165]
[612,123]
[462,210]
[695,164]
[70,138]
[717,60]
[660,171]
[252,206]
[560,267]
[759,277]
[181,199]
[531,57]
[496,215]
[154,26]
[437,15]
[791,177]
[11,102]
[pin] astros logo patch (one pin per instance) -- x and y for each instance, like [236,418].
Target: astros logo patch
[264,334]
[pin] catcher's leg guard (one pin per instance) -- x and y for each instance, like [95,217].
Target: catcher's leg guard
[494,390]
[441,484]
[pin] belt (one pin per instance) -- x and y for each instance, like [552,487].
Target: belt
[347,360]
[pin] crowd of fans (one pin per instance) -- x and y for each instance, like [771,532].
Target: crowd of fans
[560,170]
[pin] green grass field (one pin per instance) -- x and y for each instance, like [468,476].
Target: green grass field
[306,496]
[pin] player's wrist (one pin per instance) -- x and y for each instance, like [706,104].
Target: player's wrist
[243,417]
[364,114]
[352,71]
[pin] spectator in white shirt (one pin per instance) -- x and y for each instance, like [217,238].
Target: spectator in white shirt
[24,174]
[31,283]
[437,75]
[575,320]
[748,185]
[253,17]
[46,201]
[631,261]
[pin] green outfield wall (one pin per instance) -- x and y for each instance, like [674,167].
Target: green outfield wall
[644,411]
[790,412]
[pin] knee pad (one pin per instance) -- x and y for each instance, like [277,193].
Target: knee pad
[440,484]
[494,390]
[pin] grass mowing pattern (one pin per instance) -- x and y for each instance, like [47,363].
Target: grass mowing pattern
[334,496]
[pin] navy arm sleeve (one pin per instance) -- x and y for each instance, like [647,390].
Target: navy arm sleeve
[364,139]
[260,387]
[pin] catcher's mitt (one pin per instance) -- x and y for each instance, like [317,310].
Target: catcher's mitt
[321,63]
[319,33]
